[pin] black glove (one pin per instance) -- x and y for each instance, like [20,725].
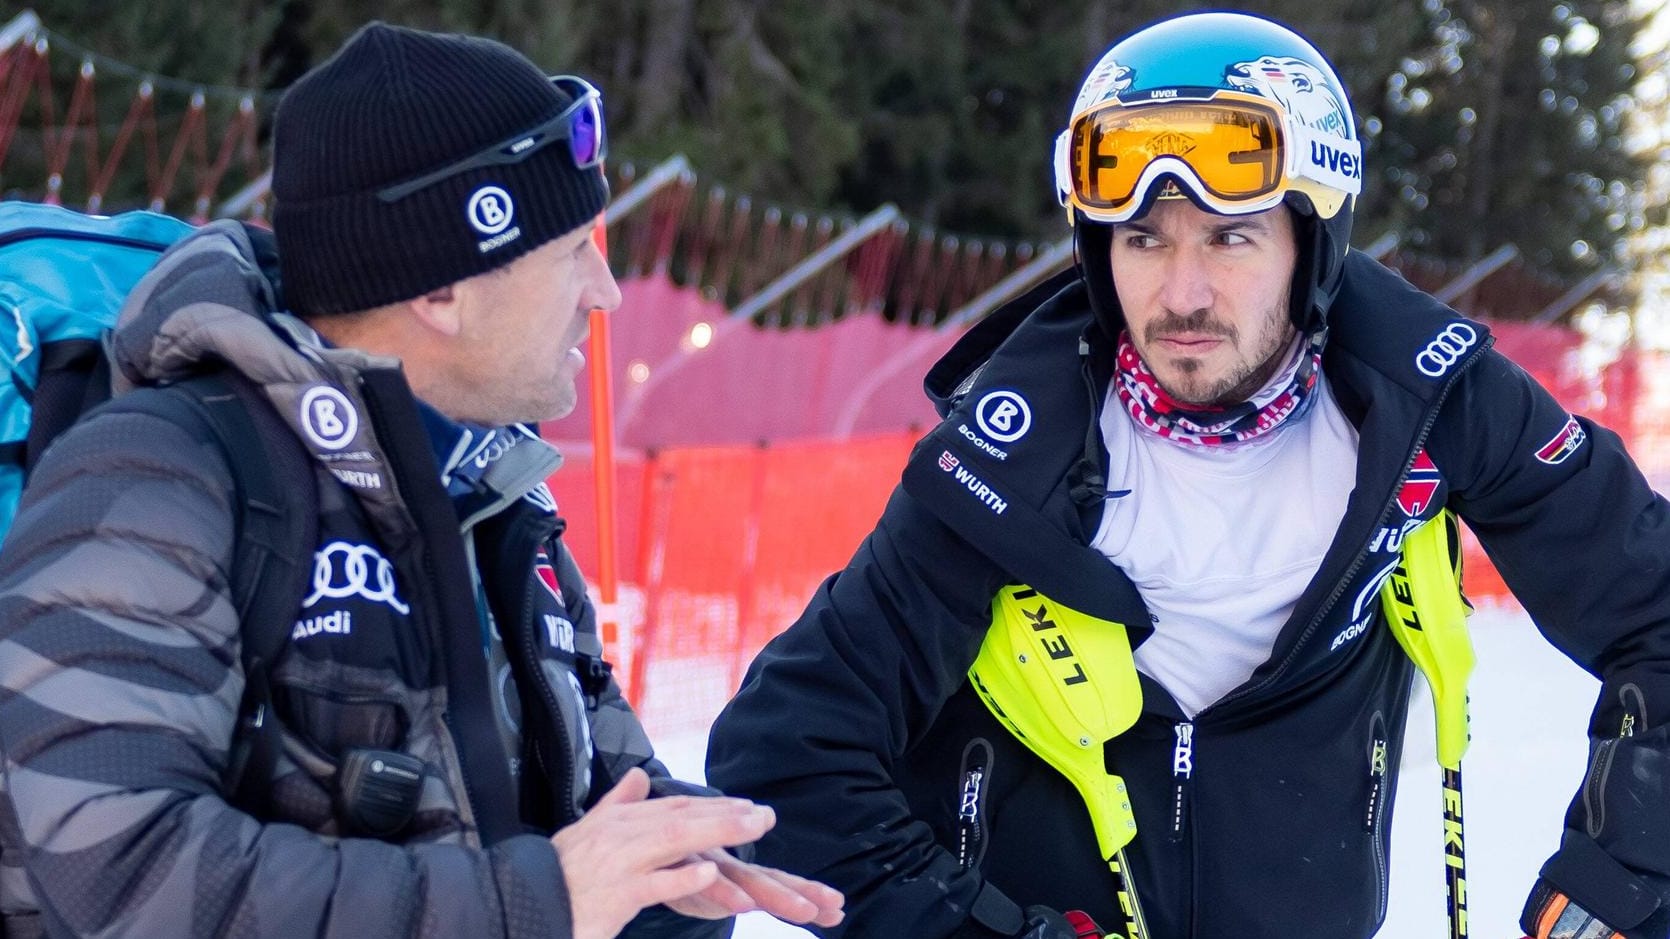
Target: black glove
[1044,923]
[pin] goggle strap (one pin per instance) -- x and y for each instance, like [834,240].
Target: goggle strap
[1328,159]
[1064,169]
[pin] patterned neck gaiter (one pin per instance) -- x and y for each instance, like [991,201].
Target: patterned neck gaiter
[1286,397]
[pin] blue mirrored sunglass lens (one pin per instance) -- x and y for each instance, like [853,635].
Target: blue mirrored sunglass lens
[583,136]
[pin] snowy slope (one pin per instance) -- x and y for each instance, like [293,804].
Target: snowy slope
[1530,708]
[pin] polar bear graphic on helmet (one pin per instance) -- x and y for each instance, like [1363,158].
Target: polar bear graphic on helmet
[1106,80]
[1300,87]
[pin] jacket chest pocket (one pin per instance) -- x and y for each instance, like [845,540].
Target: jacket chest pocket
[333,721]
[346,677]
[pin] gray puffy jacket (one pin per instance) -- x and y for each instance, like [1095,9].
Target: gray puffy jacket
[120,677]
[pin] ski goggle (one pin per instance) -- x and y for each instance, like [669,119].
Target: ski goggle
[580,125]
[1237,153]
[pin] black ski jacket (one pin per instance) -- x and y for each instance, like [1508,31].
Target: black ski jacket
[858,724]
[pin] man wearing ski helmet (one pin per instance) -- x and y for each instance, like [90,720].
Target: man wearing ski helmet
[1132,642]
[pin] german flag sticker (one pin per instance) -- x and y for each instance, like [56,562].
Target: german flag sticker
[1564,444]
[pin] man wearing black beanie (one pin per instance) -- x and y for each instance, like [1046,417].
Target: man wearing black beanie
[451,755]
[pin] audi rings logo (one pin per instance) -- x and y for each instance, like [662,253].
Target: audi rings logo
[329,418]
[1003,416]
[342,570]
[1446,349]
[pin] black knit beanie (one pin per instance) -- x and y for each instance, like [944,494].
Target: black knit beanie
[392,105]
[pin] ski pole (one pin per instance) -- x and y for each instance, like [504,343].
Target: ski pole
[1136,927]
[1455,856]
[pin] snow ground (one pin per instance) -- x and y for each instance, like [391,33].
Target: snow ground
[1530,711]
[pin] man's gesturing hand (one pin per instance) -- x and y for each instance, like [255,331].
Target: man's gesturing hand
[629,852]
[742,887]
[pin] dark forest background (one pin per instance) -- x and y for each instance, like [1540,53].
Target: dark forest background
[1486,122]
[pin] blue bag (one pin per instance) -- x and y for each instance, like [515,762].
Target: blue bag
[63,277]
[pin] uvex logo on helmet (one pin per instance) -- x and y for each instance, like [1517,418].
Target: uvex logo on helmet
[1327,157]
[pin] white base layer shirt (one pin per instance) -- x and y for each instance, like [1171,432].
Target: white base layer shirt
[1221,541]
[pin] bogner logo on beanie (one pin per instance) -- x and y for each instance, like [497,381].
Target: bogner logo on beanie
[359,223]
[491,212]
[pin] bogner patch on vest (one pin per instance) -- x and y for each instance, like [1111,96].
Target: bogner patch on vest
[1003,415]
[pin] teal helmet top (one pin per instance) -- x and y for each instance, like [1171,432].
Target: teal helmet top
[1237,113]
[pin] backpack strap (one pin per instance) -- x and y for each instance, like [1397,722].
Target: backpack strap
[74,377]
[277,529]
[278,524]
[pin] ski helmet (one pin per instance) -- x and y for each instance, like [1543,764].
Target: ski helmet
[1234,112]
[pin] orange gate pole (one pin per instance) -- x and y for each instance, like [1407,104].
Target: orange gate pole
[603,473]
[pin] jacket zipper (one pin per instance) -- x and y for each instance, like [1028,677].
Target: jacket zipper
[1088,480]
[120,241]
[1341,583]
[1182,776]
[472,795]
[530,657]
[1635,719]
[1600,769]
[971,803]
[1594,785]
[1374,821]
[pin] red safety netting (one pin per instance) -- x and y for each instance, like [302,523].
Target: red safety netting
[190,150]
[687,373]
[722,547]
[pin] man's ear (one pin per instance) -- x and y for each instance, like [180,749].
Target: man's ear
[441,309]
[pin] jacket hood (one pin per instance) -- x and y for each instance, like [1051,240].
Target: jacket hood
[956,371]
[1393,328]
[1379,320]
[212,301]
[208,304]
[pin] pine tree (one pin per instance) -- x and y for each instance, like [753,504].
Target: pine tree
[1484,121]
[1511,129]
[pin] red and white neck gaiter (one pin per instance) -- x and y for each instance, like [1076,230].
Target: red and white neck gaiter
[1285,397]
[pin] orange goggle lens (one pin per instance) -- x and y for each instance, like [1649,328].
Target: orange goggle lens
[1235,149]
